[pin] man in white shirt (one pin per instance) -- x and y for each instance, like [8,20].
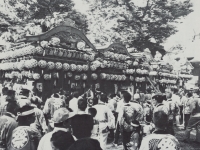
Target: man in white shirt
[176,99]
[104,116]
[61,123]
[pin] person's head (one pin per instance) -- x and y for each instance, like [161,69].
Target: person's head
[158,98]
[56,95]
[86,144]
[111,96]
[103,97]
[126,96]
[4,91]
[61,118]
[189,94]
[148,91]
[24,92]
[13,107]
[169,95]
[82,104]
[61,140]
[26,116]
[10,95]
[137,91]
[176,91]
[92,112]
[136,97]
[90,102]
[160,120]
[76,94]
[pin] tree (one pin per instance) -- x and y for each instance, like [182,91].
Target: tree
[141,24]
[22,17]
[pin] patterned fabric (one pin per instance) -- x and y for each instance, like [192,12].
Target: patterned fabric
[173,109]
[53,104]
[131,111]
[160,142]
[25,137]
[7,125]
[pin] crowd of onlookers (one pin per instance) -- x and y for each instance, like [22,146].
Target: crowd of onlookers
[87,121]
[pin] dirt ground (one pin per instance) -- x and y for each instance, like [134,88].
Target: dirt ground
[179,135]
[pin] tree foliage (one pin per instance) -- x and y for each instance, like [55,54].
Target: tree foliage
[133,24]
[21,17]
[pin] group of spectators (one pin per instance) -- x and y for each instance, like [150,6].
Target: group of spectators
[87,121]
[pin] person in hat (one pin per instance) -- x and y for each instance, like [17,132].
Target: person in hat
[132,141]
[7,124]
[25,136]
[61,123]
[23,98]
[160,139]
[10,97]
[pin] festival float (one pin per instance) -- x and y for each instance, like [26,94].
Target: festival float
[58,58]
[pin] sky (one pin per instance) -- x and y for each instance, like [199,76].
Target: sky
[186,30]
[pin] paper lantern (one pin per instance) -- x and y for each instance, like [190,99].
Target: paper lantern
[79,68]
[77,77]
[55,41]
[42,64]
[47,76]
[103,76]
[131,78]
[36,76]
[85,57]
[39,50]
[50,65]
[93,67]
[66,66]
[91,57]
[135,63]
[30,75]
[108,77]
[123,77]
[94,76]
[69,74]
[73,67]
[84,76]
[33,63]
[58,65]
[138,71]
[85,67]
[44,44]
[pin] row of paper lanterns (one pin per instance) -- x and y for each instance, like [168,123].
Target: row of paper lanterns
[155,73]
[167,81]
[32,50]
[138,71]
[187,76]
[114,56]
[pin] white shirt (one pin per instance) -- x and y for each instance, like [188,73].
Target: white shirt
[176,99]
[73,104]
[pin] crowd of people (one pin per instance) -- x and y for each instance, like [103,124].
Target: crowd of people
[86,121]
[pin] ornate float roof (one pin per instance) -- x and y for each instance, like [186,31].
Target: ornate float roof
[66,34]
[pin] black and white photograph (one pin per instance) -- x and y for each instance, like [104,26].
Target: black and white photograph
[99,74]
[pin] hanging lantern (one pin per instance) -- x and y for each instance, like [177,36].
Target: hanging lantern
[33,63]
[123,77]
[84,76]
[91,57]
[77,77]
[55,41]
[73,67]
[30,75]
[112,77]
[60,53]
[107,77]
[44,44]
[93,67]
[94,76]
[42,64]
[138,71]
[50,65]
[85,57]
[36,76]
[79,68]
[103,76]
[116,56]
[26,73]
[135,63]
[58,65]
[131,78]
[66,66]
[39,50]
[131,71]
[47,76]
[69,74]
[69,54]
[85,67]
